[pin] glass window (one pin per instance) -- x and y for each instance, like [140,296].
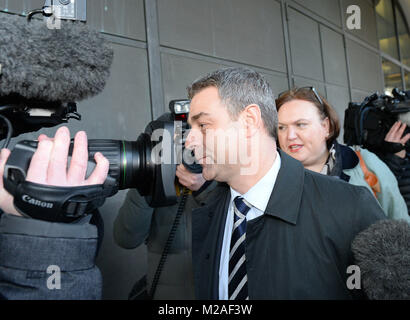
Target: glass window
[385,28]
[392,76]
[407,80]
[404,38]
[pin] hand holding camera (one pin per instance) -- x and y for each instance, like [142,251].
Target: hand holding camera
[6,199]
[395,135]
[193,181]
[49,165]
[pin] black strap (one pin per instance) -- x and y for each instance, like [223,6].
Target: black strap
[168,244]
[58,204]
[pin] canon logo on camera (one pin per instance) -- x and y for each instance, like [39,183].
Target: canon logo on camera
[36,202]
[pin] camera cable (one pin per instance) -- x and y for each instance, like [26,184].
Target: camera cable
[9,131]
[168,244]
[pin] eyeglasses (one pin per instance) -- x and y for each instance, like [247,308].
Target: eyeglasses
[304,88]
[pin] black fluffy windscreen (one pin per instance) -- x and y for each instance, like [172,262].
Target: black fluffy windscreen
[67,64]
[382,252]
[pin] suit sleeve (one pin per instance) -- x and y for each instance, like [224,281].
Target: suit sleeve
[133,222]
[368,210]
[43,260]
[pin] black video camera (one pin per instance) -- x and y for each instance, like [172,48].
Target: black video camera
[367,123]
[147,164]
[21,115]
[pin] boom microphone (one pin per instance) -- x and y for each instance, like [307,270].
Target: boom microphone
[382,253]
[67,64]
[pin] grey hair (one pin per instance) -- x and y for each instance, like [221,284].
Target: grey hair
[238,88]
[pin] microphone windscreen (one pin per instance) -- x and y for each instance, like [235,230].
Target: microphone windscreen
[382,252]
[66,64]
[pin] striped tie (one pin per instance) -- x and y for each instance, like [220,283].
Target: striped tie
[238,279]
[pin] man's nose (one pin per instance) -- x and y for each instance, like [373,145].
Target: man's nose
[192,139]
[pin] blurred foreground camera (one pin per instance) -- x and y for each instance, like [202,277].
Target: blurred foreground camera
[133,164]
[147,164]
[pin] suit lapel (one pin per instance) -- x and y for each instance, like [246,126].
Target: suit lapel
[286,197]
[208,225]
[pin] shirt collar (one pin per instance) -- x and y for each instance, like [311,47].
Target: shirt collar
[259,195]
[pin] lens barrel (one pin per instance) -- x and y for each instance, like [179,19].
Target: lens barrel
[130,161]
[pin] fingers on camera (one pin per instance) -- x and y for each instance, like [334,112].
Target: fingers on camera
[100,172]
[79,160]
[59,154]
[37,171]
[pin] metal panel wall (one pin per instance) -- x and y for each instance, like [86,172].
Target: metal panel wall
[120,17]
[179,71]
[334,58]
[364,67]
[328,9]
[305,46]
[236,30]
[20,6]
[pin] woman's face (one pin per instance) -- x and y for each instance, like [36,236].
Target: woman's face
[302,133]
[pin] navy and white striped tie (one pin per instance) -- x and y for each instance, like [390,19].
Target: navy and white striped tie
[238,279]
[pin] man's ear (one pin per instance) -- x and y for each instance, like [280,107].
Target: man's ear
[252,118]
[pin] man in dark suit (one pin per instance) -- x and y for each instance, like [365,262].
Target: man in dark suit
[278,231]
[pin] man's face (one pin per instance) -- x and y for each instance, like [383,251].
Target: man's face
[214,135]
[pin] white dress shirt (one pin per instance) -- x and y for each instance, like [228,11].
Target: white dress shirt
[258,196]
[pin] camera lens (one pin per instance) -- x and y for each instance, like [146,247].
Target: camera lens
[130,163]
[139,164]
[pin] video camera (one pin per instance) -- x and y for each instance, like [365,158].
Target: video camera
[367,123]
[147,164]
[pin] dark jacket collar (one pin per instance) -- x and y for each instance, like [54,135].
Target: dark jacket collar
[346,158]
[285,200]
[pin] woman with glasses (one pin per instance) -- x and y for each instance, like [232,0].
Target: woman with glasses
[307,131]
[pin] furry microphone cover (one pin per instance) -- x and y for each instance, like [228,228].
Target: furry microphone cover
[67,64]
[382,252]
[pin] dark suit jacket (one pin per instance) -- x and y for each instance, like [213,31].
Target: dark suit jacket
[300,247]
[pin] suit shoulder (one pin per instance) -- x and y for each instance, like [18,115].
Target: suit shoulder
[338,190]
[343,196]
[330,182]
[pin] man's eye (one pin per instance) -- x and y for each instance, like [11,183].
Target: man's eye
[281,128]
[301,125]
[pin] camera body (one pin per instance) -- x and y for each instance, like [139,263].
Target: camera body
[367,123]
[180,110]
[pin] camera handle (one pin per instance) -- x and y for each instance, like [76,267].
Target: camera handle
[51,203]
[57,204]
